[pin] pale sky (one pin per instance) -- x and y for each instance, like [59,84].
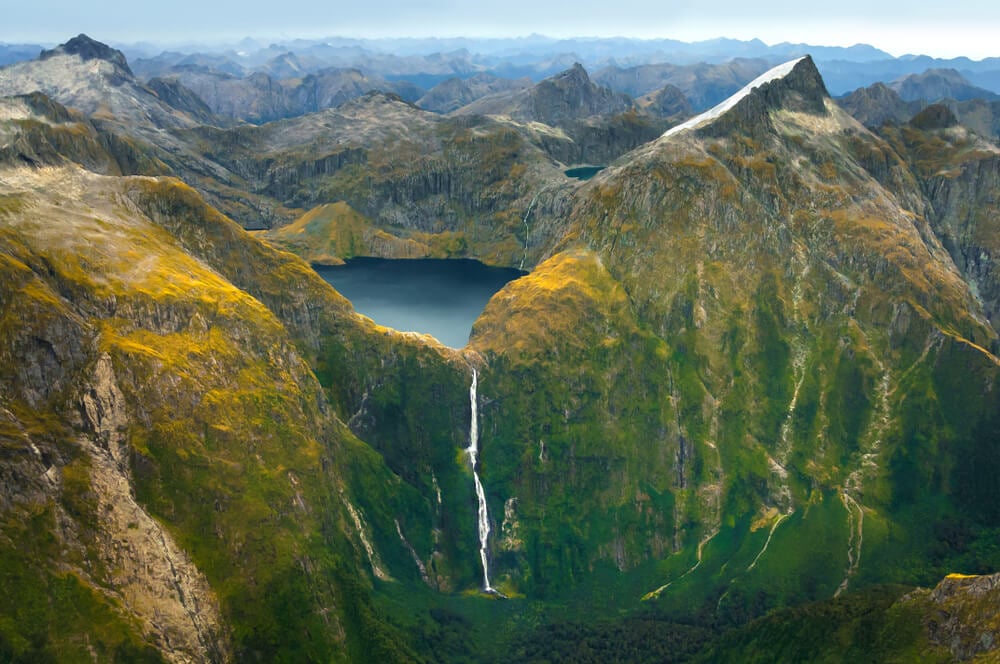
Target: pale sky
[942,29]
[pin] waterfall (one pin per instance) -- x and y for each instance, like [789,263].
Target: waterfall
[527,229]
[483,516]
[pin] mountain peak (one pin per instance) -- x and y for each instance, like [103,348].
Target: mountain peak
[935,116]
[576,74]
[795,85]
[88,49]
[939,84]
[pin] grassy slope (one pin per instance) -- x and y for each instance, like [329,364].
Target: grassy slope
[232,445]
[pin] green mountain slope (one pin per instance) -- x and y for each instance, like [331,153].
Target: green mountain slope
[752,368]
[806,377]
[178,480]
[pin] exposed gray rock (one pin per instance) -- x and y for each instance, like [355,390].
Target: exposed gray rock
[936,84]
[704,85]
[964,615]
[89,49]
[567,96]
[455,93]
[877,104]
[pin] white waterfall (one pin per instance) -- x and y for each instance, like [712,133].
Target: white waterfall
[473,450]
[527,229]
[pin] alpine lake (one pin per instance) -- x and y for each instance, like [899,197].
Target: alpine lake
[440,297]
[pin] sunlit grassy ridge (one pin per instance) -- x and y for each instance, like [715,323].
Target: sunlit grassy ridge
[423,184]
[574,455]
[231,444]
[332,232]
[748,375]
[796,320]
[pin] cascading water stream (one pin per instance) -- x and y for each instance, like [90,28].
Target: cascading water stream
[483,516]
[527,229]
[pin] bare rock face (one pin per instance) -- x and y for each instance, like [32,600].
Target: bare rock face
[94,78]
[454,93]
[802,90]
[567,96]
[150,573]
[174,93]
[960,183]
[876,105]
[89,49]
[667,102]
[104,407]
[965,616]
[935,84]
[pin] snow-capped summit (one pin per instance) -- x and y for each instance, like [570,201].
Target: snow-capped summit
[808,86]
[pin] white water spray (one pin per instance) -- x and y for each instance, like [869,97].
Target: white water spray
[473,450]
[527,229]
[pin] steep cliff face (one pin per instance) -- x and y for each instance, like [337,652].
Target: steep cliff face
[958,172]
[800,329]
[752,367]
[582,458]
[461,184]
[878,104]
[455,93]
[178,481]
[961,615]
[162,344]
[178,96]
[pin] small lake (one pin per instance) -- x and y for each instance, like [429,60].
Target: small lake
[584,172]
[438,297]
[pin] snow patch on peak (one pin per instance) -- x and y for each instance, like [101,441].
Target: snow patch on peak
[775,73]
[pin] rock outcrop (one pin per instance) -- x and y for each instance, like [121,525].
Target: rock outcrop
[963,615]
[878,104]
[753,366]
[89,49]
[455,93]
[937,84]
[567,96]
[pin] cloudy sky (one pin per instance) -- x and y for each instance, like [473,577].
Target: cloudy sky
[944,29]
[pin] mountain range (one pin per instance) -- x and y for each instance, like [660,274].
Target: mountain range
[743,406]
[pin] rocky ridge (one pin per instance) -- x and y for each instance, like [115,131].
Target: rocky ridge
[569,95]
[937,84]
[723,232]
[878,104]
[961,616]
[455,93]
[817,399]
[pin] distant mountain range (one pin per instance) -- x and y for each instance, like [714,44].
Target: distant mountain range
[744,406]
[427,62]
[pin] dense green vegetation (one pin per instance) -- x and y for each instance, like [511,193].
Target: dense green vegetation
[868,626]
[47,616]
[746,379]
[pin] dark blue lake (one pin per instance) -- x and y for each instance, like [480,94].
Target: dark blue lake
[437,297]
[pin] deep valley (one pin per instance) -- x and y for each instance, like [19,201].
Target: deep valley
[739,404]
